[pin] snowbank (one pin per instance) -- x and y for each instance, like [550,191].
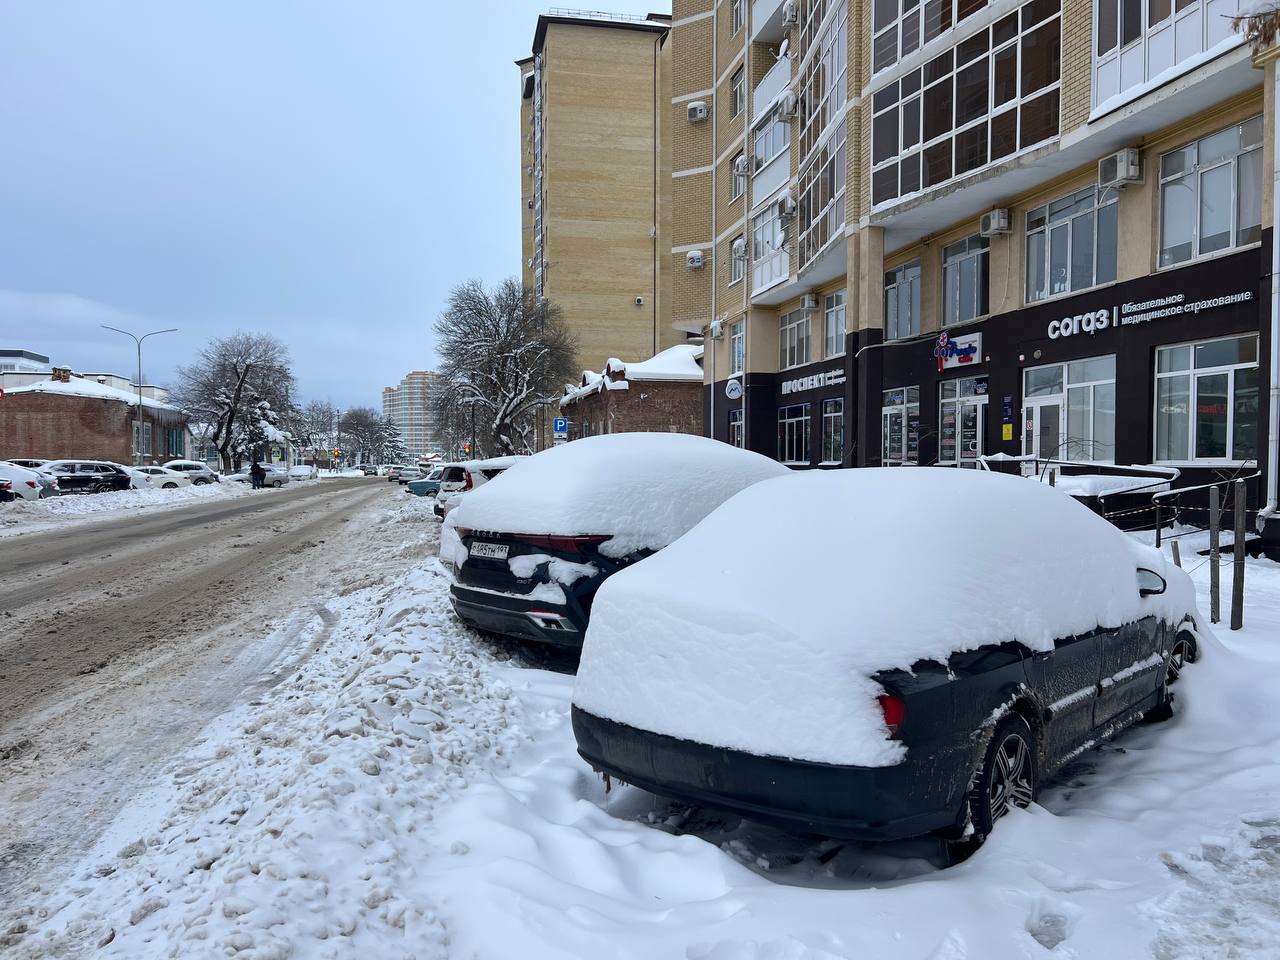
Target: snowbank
[1104,485]
[642,489]
[760,629]
[20,516]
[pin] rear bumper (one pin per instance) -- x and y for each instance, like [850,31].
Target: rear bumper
[515,616]
[868,803]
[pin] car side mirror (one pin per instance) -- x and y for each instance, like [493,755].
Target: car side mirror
[1150,583]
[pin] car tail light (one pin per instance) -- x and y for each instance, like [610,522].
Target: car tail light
[894,710]
[32,484]
[466,479]
[563,544]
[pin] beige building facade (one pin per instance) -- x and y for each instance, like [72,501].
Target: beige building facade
[409,406]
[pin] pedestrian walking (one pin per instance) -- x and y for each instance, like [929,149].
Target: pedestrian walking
[257,475]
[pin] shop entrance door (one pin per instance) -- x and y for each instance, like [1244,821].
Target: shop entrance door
[1042,429]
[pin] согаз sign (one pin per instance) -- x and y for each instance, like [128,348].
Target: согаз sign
[1127,314]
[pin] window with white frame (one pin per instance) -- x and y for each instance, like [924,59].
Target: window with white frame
[737,258]
[737,16]
[1136,41]
[738,170]
[990,96]
[1069,410]
[1207,400]
[901,27]
[833,430]
[737,92]
[793,339]
[964,280]
[821,206]
[770,262]
[900,427]
[833,324]
[902,301]
[737,347]
[1071,243]
[793,433]
[1211,194]
[737,436]
[771,137]
[823,80]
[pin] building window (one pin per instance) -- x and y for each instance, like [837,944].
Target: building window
[1071,243]
[902,301]
[900,29]
[737,259]
[739,179]
[821,206]
[1211,194]
[737,348]
[990,96]
[737,16]
[793,433]
[737,437]
[962,421]
[737,92]
[1136,41]
[833,324]
[1069,410]
[1207,400]
[769,260]
[793,339]
[900,427]
[964,280]
[771,138]
[833,431]
[823,78]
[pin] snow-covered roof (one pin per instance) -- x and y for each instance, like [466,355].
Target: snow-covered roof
[83,387]
[676,364]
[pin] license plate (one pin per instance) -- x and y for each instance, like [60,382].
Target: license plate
[492,551]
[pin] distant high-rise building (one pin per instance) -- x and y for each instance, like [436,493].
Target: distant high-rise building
[409,407]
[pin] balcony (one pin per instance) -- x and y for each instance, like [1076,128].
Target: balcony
[770,178]
[770,85]
[769,270]
[766,21]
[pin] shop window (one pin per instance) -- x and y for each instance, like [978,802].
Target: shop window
[1069,410]
[737,262]
[793,433]
[737,92]
[902,301]
[1207,400]
[900,427]
[992,95]
[1071,243]
[737,436]
[833,431]
[833,324]
[1211,194]
[739,181]
[737,348]
[964,280]
[793,339]
[962,421]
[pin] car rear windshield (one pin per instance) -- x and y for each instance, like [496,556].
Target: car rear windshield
[452,474]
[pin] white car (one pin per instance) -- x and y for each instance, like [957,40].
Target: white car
[277,476]
[138,478]
[197,471]
[166,479]
[459,478]
[303,471]
[23,483]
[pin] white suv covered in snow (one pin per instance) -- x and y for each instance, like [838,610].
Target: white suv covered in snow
[197,471]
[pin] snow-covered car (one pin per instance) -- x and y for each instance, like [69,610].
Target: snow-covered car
[26,484]
[200,473]
[88,476]
[29,463]
[303,471]
[429,485]
[461,478]
[6,492]
[393,472]
[405,474]
[276,476]
[530,550]
[879,653]
[166,479]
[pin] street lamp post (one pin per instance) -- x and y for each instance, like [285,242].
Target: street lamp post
[137,420]
[471,402]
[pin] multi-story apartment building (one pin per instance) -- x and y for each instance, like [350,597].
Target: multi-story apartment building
[595,160]
[921,231]
[409,407]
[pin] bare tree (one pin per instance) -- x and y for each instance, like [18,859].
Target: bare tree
[362,429]
[315,426]
[504,355]
[230,378]
[1260,24]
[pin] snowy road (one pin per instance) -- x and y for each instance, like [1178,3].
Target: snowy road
[120,639]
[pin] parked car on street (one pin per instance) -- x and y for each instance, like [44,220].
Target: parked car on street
[139,479]
[276,476]
[368,469]
[407,473]
[167,479]
[530,551]
[303,471]
[6,492]
[461,478]
[429,485]
[28,463]
[88,476]
[200,473]
[393,472]
[845,653]
[27,484]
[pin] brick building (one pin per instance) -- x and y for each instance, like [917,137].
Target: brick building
[79,417]
[659,395]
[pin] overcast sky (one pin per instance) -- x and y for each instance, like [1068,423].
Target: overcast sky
[323,170]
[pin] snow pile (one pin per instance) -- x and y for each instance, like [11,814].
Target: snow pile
[678,363]
[642,489]
[772,650]
[83,387]
[19,516]
[1104,485]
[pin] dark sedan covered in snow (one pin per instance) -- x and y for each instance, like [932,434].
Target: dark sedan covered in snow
[879,653]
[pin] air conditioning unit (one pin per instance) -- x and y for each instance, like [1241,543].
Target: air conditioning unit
[788,104]
[994,223]
[740,166]
[809,301]
[784,207]
[1123,166]
[694,259]
[740,249]
[716,329]
[790,12]
[697,111]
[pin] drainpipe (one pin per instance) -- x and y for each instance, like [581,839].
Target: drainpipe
[1273,406]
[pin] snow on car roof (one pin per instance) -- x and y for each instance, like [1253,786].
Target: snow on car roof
[761,628]
[643,489]
[492,463]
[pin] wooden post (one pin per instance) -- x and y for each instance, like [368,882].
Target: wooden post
[1213,555]
[1177,557]
[1237,557]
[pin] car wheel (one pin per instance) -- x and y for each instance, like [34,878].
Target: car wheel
[102,488]
[199,481]
[278,484]
[1008,776]
[169,486]
[1181,654]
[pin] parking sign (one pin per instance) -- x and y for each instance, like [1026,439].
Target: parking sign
[561,427]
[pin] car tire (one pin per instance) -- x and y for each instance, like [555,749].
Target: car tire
[1009,775]
[1182,653]
[169,486]
[199,482]
[278,484]
[103,488]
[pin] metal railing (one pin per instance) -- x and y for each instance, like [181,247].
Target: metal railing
[1159,498]
[596,15]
